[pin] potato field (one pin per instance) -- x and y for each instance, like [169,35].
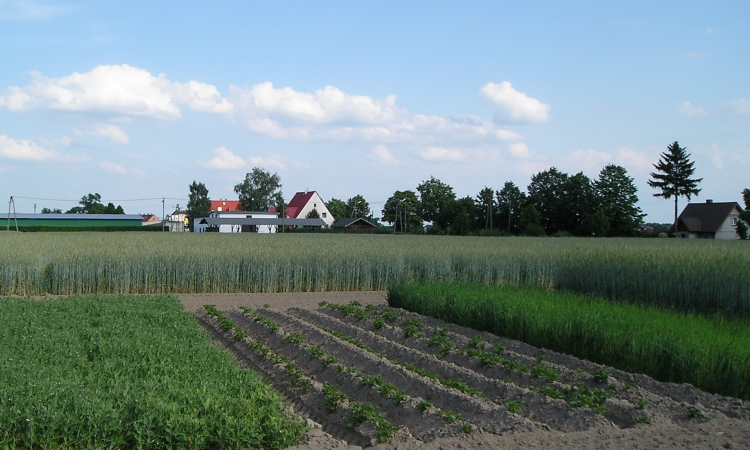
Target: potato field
[375,374]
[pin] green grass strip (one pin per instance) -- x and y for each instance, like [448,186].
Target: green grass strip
[127,372]
[712,354]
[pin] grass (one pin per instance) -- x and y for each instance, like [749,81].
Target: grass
[127,372]
[712,353]
[697,275]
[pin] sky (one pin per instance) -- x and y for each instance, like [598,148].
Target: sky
[135,100]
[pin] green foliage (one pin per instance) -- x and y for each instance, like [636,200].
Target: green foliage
[672,176]
[333,397]
[467,428]
[127,371]
[360,413]
[643,420]
[436,199]
[91,204]
[199,204]
[357,206]
[403,204]
[710,353]
[295,338]
[601,375]
[513,406]
[543,371]
[313,214]
[510,201]
[424,405]
[338,209]
[618,200]
[259,190]
[378,323]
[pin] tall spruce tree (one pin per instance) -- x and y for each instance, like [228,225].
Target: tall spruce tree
[674,170]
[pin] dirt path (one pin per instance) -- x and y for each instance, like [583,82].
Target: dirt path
[448,387]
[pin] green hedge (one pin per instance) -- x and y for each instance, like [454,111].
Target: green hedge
[711,353]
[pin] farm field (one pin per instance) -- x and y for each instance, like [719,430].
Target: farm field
[111,371]
[698,275]
[371,374]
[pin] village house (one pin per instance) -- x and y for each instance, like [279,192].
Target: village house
[710,220]
[304,202]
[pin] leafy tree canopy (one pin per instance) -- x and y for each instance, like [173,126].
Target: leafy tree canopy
[259,191]
[199,205]
[618,199]
[338,209]
[51,211]
[92,204]
[357,206]
[510,201]
[406,204]
[436,199]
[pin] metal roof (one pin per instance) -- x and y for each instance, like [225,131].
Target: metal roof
[343,223]
[705,217]
[75,216]
[262,221]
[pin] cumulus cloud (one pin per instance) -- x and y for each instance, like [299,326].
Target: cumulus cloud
[116,168]
[441,154]
[23,150]
[108,131]
[519,150]
[593,161]
[514,106]
[382,154]
[225,160]
[272,160]
[687,109]
[115,89]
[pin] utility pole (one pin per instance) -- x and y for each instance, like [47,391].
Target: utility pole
[162,214]
[34,208]
[510,208]
[15,215]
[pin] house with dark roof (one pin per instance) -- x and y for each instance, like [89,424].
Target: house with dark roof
[304,202]
[710,220]
[354,225]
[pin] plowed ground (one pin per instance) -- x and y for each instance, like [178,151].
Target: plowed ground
[443,386]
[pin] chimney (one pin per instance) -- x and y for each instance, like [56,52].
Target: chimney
[709,201]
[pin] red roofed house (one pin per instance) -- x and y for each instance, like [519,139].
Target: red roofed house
[226,205]
[303,202]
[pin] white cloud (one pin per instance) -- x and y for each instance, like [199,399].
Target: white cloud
[441,154]
[108,131]
[519,150]
[382,154]
[116,89]
[687,109]
[272,160]
[29,10]
[593,161]
[739,107]
[324,106]
[27,151]
[116,168]
[225,160]
[514,106]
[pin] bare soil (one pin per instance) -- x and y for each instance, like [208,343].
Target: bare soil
[678,416]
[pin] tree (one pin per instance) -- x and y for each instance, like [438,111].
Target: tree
[576,205]
[358,207]
[599,224]
[51,211]
[485,209]
[259,191]
[313,214]
[92,204]
[674,170]
[461,214]
[545,194]
[510,201]
[436,200]
[530,222]
[198,205]
[337,208]
[742,225]
[406,204]
[616,194]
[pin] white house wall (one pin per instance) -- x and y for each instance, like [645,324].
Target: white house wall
[727,230]
[262,229]
[317,203]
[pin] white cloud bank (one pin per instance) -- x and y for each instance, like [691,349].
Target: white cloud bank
[225,160]
[107,131]
[117,89]
[383,154]
[514,106]
[24,150]
[116,168]
[687,109]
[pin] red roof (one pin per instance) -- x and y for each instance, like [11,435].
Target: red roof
[298,202]
[226,205]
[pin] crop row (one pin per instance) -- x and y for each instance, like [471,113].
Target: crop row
[710,353]
[707,277]
[397,366]
[127,372]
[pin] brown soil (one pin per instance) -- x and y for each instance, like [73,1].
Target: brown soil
[542,422]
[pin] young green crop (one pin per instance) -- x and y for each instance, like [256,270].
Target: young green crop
[127,371]
[711,353]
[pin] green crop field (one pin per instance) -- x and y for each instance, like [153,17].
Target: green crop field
[711,353]
[127,372]
[703,276]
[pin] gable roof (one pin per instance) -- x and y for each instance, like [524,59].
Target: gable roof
[705,217]
[343,223]
[298,202]
[226,205]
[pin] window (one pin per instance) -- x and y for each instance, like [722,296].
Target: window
[324,215]
[734,221]
[219,208]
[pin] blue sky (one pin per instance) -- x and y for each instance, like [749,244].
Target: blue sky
[135,100]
